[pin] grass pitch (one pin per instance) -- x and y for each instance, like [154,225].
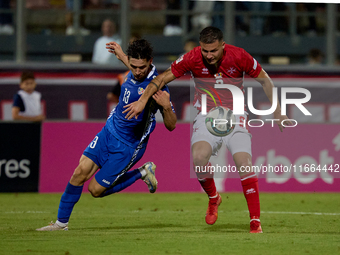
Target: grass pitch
[171,223]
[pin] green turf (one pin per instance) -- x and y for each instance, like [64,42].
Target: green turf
[171,224]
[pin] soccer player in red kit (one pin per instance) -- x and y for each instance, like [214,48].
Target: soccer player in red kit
[224,64]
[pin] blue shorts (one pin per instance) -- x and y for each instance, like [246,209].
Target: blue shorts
[111,156]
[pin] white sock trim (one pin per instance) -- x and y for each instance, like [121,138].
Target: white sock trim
[255,220]
[60,224]
[247,177]
[143,172]
[214,196]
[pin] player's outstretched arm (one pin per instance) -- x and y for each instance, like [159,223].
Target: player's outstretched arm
[268,86]
[115,48]
[16,116]
[135,108]
[169,117]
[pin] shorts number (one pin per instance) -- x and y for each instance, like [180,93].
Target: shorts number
[126,96]
[94,142]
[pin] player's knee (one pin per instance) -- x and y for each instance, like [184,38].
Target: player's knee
[94,192]
[205,175]
[200,158]
[244,168]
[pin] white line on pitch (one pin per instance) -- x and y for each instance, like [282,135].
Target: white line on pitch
[25,212]
[312,213]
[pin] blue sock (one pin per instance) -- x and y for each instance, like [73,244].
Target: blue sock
[68,200]
[124,181]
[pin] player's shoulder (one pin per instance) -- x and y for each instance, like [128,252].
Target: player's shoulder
[129,79]
[234,53]
[192,56]
[17,96]
[195,54]
[231,49]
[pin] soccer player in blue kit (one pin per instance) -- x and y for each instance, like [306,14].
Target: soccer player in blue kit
[122,142]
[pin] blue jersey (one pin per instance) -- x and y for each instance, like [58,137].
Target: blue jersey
[131,131]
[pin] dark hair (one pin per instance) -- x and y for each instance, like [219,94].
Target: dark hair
[210,35]
[25,75]
[140,49]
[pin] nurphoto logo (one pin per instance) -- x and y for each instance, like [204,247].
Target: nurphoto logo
[238,104]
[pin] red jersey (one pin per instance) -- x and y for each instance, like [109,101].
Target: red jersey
[230,69]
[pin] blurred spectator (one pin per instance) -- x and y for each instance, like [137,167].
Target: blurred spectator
[113,95]
[337,61]
[241,24]
[315,23]
[6,20]
[70,29]
[278,25]
[257,23]
[37,4]
[189,45]
[172,21]
[203,18]
[27,102]
[100,53]
[148,4]
[315,57]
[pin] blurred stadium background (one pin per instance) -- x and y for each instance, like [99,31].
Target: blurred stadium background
[281,36]
[41,157]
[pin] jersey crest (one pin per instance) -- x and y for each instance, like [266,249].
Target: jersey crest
[140,91]
[231,70]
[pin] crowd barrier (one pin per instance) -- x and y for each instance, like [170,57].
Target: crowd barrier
[304,158]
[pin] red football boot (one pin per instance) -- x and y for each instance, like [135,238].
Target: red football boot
[255,225]
[211,215]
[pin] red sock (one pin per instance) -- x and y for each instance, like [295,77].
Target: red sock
[206,180]
[251,193]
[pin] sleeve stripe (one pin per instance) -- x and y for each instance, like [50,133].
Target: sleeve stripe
[255,64]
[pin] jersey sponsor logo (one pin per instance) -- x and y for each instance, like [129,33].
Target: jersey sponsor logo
[205,71]
[133,81]
[140,90]
[179,59]
[255,64]
[231,70]
[218,75]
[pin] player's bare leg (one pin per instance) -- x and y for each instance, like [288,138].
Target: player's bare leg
[250,189]
[201,153]
[84,171]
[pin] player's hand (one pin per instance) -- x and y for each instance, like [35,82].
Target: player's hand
[115,48]
[133,109]
[281,118]
[162,98]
